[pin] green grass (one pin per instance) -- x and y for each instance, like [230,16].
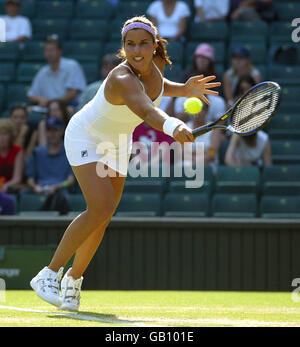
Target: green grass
[155,308]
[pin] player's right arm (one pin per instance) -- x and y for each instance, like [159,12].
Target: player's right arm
[125,89]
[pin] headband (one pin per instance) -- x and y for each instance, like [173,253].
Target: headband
[138,25]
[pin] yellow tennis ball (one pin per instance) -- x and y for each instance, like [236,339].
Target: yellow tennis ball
[193,105]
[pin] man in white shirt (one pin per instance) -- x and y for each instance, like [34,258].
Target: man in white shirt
[18,28]
[211,10]
[62,78]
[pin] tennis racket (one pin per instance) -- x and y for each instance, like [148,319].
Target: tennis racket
[251,112]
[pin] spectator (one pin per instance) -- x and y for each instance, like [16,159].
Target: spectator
[203,62]
[209,11]
[241,66]
[56,109]
[26,137]
[243,10]
[48,171]
[244,84]
[266,10]
[7,205]
[11,157]
[254,149]
[62,78]
[208,140]
[18,28]
[109,62]
[171,18]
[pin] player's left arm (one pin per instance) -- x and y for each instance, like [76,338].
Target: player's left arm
[197,86]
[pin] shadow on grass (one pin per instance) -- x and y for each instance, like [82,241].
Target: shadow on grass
[93,317]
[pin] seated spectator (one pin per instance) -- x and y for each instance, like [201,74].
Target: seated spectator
[26,137]
[109,62]
[56,109]
[48,171]
[266,10]
[62,78]
[254,149]
[244,84]
[241,66]
[203,62]
[209,11]
[171,18]
[11,158]
[18,28]
[7,205]
[209,140]
[243,10]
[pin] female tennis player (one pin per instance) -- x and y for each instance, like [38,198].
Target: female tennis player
[128,96]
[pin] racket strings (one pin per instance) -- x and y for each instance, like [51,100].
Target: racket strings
[255,109]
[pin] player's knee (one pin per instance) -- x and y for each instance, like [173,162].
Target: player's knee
[101,211]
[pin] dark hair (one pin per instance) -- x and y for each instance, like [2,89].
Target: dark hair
[249,79]
[63,109]
[161,50]
[17,107]
[54,38]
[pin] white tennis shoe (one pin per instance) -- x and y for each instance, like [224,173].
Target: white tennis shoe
[46,285]
[70,293]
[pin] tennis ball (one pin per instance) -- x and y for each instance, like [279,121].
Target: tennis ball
[193,105]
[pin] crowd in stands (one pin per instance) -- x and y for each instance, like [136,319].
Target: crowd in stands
[32,156]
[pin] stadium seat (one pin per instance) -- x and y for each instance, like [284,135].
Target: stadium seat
[286,10]
[16,93]
[89,29]
[91,71]
[280,207]
[237,180]
[284,75]
[285,152]
[207,31]
[234,206]
[28,9]
[186,205]
[258,50]
[111,48]
[9,51]
[115,30]
[175,52]
[274,49]
[126,10]
[146,185]
[33,51]
[45,27]
[284,126]
[2,97]
[27,71]
[83,51]
[54,9]
[244,31]
[281,180]
[7,72]
[174,73]
[31,202]
[219,52]
[139,205]
[94,10]
[76,202]
[280,32]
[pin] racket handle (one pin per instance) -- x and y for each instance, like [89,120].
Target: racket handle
[206,128]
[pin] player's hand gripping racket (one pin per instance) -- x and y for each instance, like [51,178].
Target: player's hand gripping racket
[251,112]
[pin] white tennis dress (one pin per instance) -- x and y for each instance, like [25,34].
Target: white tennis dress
[102,132]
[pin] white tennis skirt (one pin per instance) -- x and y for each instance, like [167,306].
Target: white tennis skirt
[82,149]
